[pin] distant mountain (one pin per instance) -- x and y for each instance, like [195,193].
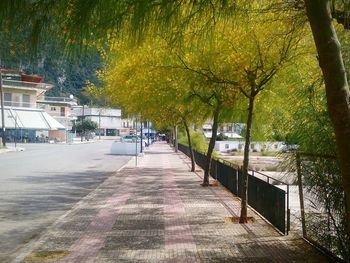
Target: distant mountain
[68,73]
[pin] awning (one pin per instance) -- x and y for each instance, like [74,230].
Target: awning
[55,125]
[27,118]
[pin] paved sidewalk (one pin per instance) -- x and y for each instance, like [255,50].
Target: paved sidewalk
[158,212]
[11,149]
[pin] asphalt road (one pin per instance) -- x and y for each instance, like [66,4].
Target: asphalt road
[43,182]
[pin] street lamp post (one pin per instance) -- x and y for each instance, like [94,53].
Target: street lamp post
[2,112]
[141,134]
[16,131]
[148,133]
[82,124]
[136,142]
[99,125]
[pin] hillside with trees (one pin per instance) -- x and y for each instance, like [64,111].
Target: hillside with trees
[67,71]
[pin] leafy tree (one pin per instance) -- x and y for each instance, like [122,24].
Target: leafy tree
[337,89]
[222,137]
[84,127]
[140,80]
[245,59]
[104,18]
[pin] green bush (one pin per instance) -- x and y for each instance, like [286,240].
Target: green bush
[199,142]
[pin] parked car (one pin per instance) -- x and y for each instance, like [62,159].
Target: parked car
[128,138]
[132,138]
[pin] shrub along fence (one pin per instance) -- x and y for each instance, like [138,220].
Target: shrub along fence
[267,199]
[322,202]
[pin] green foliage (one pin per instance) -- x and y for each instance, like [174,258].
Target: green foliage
[222,137]
[199,142]
[325,213]
[85,126]
[69,74]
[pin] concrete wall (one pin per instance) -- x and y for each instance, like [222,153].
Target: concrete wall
[107,122]
[59,135]
[125,148]
[55,110]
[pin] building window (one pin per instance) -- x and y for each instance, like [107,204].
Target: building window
[111,132]
[63,111]
[8,99]
[53,108]
[26,100]
[100,132]
[227,146]
[16,99]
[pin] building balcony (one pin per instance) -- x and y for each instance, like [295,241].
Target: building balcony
[24,85]
[58,100]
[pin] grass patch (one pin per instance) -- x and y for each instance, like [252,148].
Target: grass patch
[41,256]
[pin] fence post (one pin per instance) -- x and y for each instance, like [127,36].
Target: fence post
[288,210]
[301,195]
[236,186]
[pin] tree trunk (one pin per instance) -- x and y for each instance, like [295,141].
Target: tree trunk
[171,137]
[337,90]
[193,166]
[211,146]
[176,146]
[243,217]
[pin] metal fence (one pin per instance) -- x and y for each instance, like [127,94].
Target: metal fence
[267,199]
[270,201]
[322,203]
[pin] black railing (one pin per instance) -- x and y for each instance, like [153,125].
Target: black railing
[267,199]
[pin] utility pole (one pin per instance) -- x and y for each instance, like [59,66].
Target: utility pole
[175,141]
[99,125]
[2,112]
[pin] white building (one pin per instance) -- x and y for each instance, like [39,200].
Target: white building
[230,130]
[108,120]
[238,146]
[128,126]
[23,120]
[60,108]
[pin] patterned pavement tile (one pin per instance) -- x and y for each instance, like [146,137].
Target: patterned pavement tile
[157,212]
